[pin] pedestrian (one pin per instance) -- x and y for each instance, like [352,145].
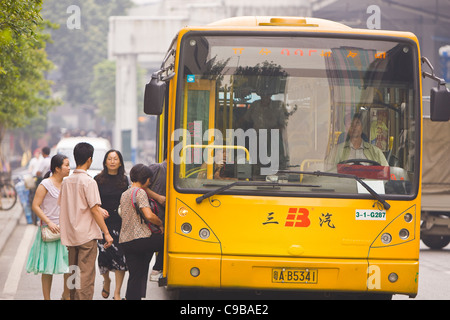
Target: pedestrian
[31,183]
[44,164]
[157,191]
[137,240]
[49,258]
[112,182]
[34,162]
[82,222]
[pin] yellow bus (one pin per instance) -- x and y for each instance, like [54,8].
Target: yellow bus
[293,151]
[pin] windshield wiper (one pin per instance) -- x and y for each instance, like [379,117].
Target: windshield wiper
[342,175]
[251,184]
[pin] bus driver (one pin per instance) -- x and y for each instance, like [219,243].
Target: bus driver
[354,147]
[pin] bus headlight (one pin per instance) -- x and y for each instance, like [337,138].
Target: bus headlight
[393,277]
[186,228]
[190,224]
[195,272]
[408,217]
[403,234]
[386,238]
[400,230]
[204,233]
[182,211]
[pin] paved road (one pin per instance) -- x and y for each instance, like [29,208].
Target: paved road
[16,238]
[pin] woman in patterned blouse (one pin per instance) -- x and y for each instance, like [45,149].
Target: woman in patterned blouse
[136,239]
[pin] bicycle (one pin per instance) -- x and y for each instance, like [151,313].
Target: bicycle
[8,193]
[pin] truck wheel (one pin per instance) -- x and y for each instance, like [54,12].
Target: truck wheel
[435,242]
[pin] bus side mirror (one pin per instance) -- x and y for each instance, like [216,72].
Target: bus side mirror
[440,104]
[439,98]
[155,92]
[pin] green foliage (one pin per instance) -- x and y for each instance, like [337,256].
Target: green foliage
[24,92]
[76,51]
[103,89]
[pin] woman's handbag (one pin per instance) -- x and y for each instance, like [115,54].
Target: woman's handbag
[48,236]
[153,228]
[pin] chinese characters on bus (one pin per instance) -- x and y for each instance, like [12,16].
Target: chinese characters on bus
[308,52]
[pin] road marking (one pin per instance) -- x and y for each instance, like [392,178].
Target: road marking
[12,282]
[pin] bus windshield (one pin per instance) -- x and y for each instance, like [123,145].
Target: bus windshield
[276,108]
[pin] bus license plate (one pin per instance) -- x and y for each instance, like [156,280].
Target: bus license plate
[285,275]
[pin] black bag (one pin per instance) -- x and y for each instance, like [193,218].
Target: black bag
[154,207]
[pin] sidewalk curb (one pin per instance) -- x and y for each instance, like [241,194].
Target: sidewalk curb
[9,224]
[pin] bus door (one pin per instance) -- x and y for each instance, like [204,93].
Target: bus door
[198,122]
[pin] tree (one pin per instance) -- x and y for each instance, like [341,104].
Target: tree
[103,89]
[80,42]
[25,94]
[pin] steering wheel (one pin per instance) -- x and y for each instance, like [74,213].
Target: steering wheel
[359,161]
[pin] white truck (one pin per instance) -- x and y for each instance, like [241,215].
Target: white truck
[435,227]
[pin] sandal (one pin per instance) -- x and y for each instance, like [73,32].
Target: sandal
[105,294]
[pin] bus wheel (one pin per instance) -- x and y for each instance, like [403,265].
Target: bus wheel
[435,242]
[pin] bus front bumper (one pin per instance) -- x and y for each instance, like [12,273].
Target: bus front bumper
[305,274]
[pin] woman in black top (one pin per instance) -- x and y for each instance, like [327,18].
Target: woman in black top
[112,182]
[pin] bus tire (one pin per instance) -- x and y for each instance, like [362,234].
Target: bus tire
[435,242]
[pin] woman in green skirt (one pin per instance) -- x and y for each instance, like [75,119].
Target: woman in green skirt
[49,258]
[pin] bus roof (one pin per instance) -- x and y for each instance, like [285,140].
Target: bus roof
[256,21]
[285,23]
